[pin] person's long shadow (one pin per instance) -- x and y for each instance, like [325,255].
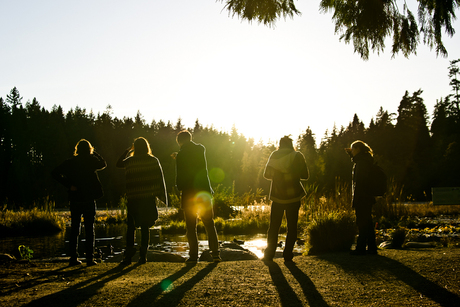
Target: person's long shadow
[44,278]
[79,293]
[314,298]
[172,296]
[368,264]
[287,295]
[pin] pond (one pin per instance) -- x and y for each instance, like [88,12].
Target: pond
[110,241]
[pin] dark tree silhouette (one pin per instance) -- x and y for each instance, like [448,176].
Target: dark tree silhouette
[445,130]
[414,144]
[33,141]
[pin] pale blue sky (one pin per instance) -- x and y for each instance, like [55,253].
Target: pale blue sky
[190,59]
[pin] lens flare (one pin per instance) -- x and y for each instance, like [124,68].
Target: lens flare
[216,175]
[203,201]
[166,285]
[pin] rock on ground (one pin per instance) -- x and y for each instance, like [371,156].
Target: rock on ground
[230,254]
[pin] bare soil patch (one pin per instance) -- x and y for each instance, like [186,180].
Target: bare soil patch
[407,277]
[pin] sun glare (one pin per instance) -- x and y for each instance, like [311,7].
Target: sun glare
[257,246]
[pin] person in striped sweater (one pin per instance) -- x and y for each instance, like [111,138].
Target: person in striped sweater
[144,184]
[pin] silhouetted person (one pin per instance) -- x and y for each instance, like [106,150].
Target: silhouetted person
[363,199]
[144,183]
[285,168]
[196,199]
[79,175]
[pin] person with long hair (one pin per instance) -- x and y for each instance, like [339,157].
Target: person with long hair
[144,184]
[362,198]
[192,180]
[286,168]
[79,175]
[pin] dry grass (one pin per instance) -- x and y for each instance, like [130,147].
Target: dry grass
[34,221]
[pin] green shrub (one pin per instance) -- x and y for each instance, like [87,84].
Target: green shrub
[331,232]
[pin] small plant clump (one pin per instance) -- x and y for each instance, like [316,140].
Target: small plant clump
[331,232]
[25,252]
[398,237]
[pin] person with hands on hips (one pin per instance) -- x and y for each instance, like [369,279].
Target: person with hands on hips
[79,175]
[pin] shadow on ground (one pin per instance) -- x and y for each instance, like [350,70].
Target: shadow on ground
[369,265]
[287,295]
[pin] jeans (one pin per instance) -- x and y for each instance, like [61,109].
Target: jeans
[193,207]
[130,236]
[142,212]
[276,217]
[88,210]
[366,231]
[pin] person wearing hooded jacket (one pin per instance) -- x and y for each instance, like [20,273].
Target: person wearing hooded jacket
[79,175]
[362,197]
[285,168]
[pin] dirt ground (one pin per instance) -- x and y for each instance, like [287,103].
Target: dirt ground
[407,277]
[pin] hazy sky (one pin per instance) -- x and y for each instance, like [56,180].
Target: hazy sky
[190,59]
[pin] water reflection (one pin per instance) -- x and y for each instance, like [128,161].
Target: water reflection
[42,246]
[110,241]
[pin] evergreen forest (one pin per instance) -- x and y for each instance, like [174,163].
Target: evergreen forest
[418,150]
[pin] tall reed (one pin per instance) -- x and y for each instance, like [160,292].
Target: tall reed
[317,204]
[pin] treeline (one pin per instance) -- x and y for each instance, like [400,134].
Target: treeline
[35,140]
[416,155]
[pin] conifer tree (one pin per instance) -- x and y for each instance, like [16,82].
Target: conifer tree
[366,23]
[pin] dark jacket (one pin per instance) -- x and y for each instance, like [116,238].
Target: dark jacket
[286,168]
[81,172]
[362,195]
[191,168]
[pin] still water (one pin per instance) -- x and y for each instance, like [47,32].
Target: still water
[110,240]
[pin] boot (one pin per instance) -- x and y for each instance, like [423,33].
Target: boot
[74,261]
[143,255]
[129,253]
[216,256]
